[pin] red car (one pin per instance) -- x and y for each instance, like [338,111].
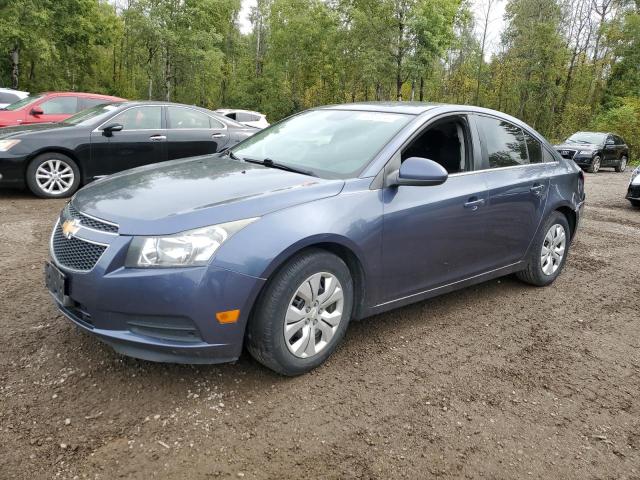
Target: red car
[50,107]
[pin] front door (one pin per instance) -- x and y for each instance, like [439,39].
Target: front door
[141,141]
[54,109]
[435,235]
[518,183]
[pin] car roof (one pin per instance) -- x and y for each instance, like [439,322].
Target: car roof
[13,90]
[229,110]
[412,108]
[81,94]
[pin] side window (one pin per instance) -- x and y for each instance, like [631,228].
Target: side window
[618,140]
[185,118]
[610,140]
[216,123]
[60,106]
[231,115]
[91,102]
[446,142]
[550,157]
[8,97]
[504,142]
[140,118]
[534,148]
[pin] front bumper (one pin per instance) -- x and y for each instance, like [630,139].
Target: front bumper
[583,160]
[163,315]
[12,170]
[633,193]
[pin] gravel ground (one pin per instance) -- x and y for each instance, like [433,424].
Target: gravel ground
[498,381]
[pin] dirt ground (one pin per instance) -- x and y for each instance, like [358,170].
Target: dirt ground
[497,381]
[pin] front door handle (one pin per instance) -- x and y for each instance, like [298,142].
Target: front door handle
[474,203]
[217,135]
[158,138]
[537,189]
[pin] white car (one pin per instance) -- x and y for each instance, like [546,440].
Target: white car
[246,117]
[9,96]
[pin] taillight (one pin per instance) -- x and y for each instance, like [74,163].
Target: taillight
[581,183]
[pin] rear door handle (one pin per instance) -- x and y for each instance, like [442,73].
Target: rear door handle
[473,203]
[158,138]
[218,135]
[537,189]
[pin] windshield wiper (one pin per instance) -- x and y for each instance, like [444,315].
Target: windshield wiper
[267,162]
[230,154]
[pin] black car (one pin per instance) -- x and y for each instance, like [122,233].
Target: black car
[592,150]
[55,159]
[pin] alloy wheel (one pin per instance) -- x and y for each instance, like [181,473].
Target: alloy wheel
[313,315]
[596,165]
[553,248]
[54,176]
[623,164]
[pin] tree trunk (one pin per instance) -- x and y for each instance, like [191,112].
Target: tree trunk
[421,89]
[15,66]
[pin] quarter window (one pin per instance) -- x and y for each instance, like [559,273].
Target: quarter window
[60,106]
[184,118]
[504,142]
[140,118]
[534,148]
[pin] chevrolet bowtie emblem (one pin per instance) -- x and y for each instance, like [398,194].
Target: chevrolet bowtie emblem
[70,228]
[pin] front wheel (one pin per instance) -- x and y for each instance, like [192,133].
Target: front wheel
[622,165]
[635,203]
[548,252]
[53,175]
[595,165]
[302,314]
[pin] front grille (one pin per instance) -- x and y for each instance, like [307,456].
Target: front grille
[86,221]
[565,153]
[75,253]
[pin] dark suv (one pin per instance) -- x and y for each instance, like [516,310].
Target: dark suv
[593,150]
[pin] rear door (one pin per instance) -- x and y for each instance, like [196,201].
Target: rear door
[610,151]
[54,109]
[141,141]
[518,184]
[191,132]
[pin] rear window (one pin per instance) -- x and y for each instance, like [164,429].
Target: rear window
[504,143]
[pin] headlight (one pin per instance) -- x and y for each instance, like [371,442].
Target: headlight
[5,145]
[186,249]
[635,177]
[585,152]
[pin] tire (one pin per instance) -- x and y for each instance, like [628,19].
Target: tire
[622,165]
[595,164]
[44,168]
[635,203]
[535,273]
[282,297]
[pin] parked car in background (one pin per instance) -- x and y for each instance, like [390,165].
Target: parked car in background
[54,159]
[246,117]
[9,96]
[593,150]
[50,107]
[633,192]
[335,213]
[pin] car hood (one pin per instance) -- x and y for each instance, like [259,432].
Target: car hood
[183,194]
[22,130]
[577,146]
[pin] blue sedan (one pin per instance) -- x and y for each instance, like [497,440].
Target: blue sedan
[335,214]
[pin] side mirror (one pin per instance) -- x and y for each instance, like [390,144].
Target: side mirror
[417,171]
[109,129]
[36,111]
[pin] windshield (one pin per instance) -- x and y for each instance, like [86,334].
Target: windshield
[23,103]
[587,137]
[327,143]
[86,117]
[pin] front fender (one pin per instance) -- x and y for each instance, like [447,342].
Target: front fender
[351,220]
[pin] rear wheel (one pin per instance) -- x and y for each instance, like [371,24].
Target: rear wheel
[622,165]
[53,175]
[303,313]
[595,165]
[548,252]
